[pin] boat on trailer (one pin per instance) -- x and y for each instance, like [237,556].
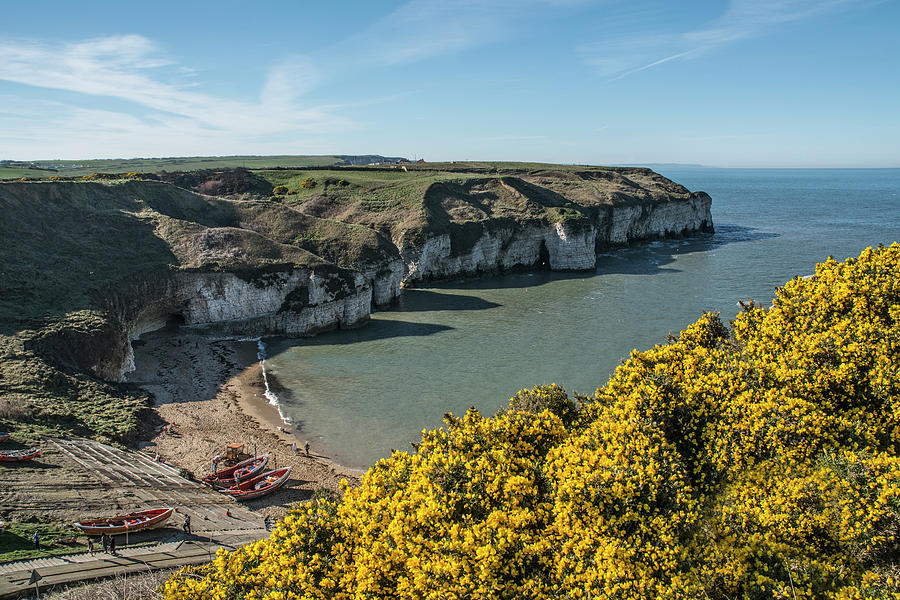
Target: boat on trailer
[260,485]
[136,521]
[240,472]
[19,455]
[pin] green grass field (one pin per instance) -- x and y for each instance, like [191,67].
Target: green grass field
[56,538]
[69,168]
[375,189]
[16,172]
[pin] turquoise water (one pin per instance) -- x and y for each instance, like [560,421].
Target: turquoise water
[357,394]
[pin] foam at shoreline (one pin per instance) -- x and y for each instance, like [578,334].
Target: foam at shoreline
[268,394]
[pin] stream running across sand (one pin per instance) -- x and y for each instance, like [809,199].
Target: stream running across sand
[357,394]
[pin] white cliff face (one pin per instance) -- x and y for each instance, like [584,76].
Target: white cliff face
[630,223]
[572,248]
[386,281]
[569,246]
[216,297]
[225,302]
[295,303]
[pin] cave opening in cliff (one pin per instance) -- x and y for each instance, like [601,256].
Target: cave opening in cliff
[174,321]
[543,261]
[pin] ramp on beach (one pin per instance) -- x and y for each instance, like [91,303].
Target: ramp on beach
[82,477]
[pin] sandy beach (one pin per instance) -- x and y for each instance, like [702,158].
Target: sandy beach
[212,391]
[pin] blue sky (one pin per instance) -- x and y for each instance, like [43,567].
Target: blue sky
[744,83]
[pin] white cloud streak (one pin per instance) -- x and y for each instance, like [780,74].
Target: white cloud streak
[130,68]
[423,29]
[170,110]
[618,57]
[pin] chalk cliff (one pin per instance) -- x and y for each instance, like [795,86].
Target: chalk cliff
[560,246]
[139,254]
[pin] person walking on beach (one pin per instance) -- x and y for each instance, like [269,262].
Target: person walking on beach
[104,542]
[187,524]
[112,544]
[306,447]
[37,540]
[267,523]
[294,448]
[91,546]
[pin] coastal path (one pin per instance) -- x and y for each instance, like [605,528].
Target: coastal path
[104,480]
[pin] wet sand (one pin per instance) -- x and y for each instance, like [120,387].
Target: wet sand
[212,391]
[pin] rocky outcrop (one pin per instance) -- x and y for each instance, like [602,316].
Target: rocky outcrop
[562,246]
[629,223]
[386,281]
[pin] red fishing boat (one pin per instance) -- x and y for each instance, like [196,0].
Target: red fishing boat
[259,485]
[18,455]
[136,521]
[240,472]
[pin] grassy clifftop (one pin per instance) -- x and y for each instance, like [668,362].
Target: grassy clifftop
[431,196]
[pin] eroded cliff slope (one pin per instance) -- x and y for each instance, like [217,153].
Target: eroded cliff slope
[88,266]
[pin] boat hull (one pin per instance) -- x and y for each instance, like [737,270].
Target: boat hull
[129,523]
[250,489]
[19,455]
[233,476]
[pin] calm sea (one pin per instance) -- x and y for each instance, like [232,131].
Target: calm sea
[357,394]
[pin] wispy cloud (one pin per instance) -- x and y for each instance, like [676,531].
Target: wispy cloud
[423,29]
[47,129]
[512,138]
[167,105]
[620,56]
[165,102]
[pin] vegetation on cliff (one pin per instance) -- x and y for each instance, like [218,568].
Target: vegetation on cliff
[463,199]
[77,258]
[759,461]
[83,248]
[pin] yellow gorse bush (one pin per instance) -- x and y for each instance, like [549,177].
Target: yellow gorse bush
[754,462]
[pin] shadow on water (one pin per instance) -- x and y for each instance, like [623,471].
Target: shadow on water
[651,258]
[513,280]
[643,259]
[729,234]
[374,330]
[413,300]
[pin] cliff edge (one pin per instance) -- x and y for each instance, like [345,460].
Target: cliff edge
[88,266]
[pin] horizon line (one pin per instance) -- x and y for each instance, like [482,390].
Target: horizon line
[492,160]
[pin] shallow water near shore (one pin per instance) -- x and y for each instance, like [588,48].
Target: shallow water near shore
[357,394]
